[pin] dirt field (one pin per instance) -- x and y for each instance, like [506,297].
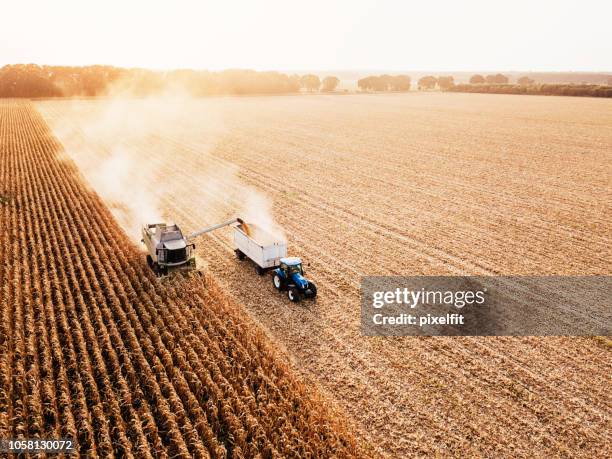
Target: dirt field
[392,184]
[95,349]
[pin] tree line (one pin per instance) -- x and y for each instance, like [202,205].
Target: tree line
[30,80]
[499,84]
[399,83]
[490,79]
[313,83]
[402,83]
[445,83]
[530,88]
[429,82]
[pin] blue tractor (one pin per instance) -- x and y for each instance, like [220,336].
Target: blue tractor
[290,276]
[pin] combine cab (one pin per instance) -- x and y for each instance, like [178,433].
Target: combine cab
[168,248]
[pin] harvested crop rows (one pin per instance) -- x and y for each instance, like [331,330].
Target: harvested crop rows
[406,185]
[94,348]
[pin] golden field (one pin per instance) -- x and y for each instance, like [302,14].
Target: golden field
[410,184]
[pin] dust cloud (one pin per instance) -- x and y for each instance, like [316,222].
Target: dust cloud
[152,160]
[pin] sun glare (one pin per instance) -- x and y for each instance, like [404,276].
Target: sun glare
[272,34]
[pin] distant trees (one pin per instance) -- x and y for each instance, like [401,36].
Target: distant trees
[366,84]
[329,83]
[246,82]
[585,90]
[446,82]
[400,83]
[430,82]
[310,82]
[49,81]
[477,79]
[427,82]
[82,81]
[372,83]
[384,82]
[26,81]
[496,79]
[499,79]
[525,81]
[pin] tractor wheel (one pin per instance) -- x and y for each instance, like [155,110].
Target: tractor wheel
[149,261]
[260,271]
[293,294]
[156,269]
[277,281]
[241,256]
[313,289]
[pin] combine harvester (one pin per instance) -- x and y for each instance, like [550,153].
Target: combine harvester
[169,251]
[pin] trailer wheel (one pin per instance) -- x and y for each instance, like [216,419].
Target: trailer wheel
[277,281]
[293,294]
[260,271]
[240,255]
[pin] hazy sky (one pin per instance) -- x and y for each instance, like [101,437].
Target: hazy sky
[311,34]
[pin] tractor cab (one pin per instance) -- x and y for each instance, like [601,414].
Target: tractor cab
[290,276]
[291,266]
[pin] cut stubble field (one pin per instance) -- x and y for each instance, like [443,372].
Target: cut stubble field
[415,184]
